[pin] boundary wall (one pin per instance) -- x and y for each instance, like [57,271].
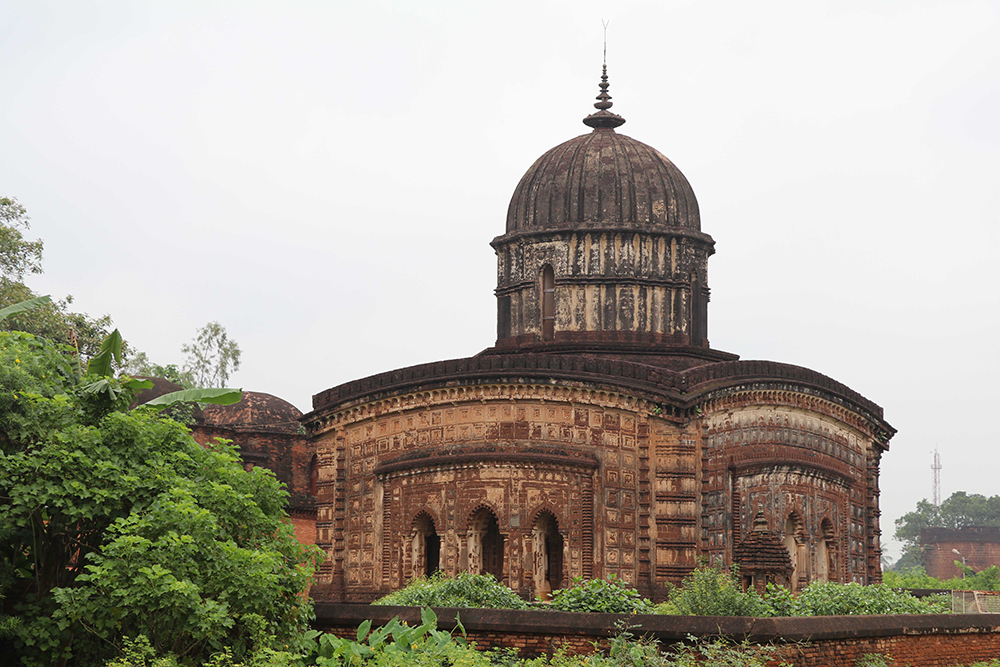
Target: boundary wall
[920,640]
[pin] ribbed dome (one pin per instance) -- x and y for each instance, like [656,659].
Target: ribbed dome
[256,411]
[602,179]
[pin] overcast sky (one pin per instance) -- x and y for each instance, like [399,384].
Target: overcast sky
[324,178]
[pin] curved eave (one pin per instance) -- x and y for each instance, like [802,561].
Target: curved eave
[600,227]
[684,391]
[713,381]
[655,382]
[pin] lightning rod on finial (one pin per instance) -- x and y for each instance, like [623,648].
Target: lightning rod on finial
[936,467]
[604,119]
[605,23]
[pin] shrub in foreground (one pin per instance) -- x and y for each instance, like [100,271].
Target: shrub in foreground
[463,590]
[716,592]
[917,577]
[606,596]
[709,591]
[825,598]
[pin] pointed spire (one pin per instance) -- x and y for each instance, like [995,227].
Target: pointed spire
[759,522]
[604,99]
[603,118]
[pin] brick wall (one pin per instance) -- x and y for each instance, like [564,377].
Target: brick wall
[979,545]
[939,640]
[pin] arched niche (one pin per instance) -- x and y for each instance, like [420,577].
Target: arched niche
[484,544]
[425,546]
[826,552]
[795,541]
[548,303]
[547,551]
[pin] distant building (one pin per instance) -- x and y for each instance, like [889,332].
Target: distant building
[267,433]
[977,546]
[601,434]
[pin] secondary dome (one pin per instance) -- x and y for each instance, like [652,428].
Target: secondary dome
[256,411]
[600,180]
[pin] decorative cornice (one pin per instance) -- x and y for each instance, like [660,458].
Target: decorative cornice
[475,457]
[678,393]
[599,279]
[584,228]
[796,463]
[324,421]
[805,397]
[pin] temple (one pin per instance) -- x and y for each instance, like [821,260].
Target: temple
[601,434]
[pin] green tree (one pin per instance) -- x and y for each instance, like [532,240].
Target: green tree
[18,256]
[139,364]
[55,321]
[117,523]
[211,357]
[957,511]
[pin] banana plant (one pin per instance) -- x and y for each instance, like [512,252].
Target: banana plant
[102,366]
[22,306]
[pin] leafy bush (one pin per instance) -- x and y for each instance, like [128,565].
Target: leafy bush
[396,644]
[118,524]
[724,653]
[780,600]
[607,596]
[714,592]
[874,660]
[916,577]
[139,653]
[464,590]
[832,599]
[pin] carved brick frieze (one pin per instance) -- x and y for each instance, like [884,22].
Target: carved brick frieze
[619,483]
[482,393]
[806,466]
[604,281]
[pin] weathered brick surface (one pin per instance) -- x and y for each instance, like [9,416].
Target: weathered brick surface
[805,464]
[940,640]
[979,545]
[620,482]
[639,484]
[267,433]
[596,288]
[601,434]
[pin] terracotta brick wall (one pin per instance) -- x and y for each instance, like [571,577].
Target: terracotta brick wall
[619,482]
[631,483]
[305,527]
[939,640]
[980,545]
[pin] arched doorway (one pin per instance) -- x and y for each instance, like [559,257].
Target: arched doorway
[547,545]
[794,540]
[426,546]
[826,549]
[485,544]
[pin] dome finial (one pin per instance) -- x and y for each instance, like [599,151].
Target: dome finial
[604,98]
[604,118]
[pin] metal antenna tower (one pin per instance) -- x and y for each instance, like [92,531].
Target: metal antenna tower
[937,478]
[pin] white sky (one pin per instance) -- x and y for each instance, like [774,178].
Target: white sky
[324,179]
